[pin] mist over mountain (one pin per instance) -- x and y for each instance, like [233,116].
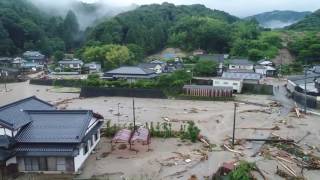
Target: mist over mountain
[278,19]
[88,14]
[309,23]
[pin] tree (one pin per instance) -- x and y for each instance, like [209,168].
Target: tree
[205,68]
[70,30]
[255,54]
[58,56]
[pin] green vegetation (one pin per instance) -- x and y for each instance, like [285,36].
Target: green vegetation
[309,23]
[24,27]
[187,131]
[255,44]
[205,68]
[306,47]
[242,171]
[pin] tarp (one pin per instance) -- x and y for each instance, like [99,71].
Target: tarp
[122,136]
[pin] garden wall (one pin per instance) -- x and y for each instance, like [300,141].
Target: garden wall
[257,89]
[311,100]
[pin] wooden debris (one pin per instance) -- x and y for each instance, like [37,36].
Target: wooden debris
[275,128]
[290,170]
[296,109]
[231,150]
[256,111]
[308,133]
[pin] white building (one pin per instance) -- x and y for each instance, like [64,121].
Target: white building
[236,84]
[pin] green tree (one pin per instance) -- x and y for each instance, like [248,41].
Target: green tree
[58,56]
[205,68]
[255,54]
[70,30]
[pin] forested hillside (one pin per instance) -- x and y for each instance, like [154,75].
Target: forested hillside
[25,27]
[150,26]
[310,22]
[278,19]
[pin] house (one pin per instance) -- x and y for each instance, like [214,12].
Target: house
[236,84]
[93,67]
[316,69]
[199,52]
[7,73]
[265,62]
[71,64]
[218,58]
[5,61]
[18,62]
[173,66]
[129,73]
[31,67]
[240,64]
[247,77]
[34,57]
[298,81]
[35,137]
[158,68]
[267,71]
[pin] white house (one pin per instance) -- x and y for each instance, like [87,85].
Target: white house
[236,84]
[74,64]
[267,71]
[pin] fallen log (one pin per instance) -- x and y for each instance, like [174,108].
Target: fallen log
[273,128]
[272,140]
[291,171]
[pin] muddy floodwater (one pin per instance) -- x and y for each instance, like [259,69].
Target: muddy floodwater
[166,158]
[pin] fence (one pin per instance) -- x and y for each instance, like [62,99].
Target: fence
[121,92]
[311,100]
[257,89]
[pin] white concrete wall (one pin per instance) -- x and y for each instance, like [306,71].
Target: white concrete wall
[261,71]
[5,131]
[80,158]
[12,160]
[235,84]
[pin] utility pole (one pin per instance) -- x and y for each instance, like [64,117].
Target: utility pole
[305,85]
[134,116]
[118,112]
[305,89]
[234,123]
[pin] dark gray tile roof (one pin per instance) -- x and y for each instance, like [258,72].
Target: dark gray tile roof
[70,62]
[6,141]
[240,75]
[55,126]
[241,62]
[13,115]
[133,70]
[219,58]
[148,65]
[46,150]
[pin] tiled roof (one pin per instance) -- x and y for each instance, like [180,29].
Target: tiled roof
[55,126]
[241,62]
[46,150]
[131,70]
[239,75]
[13,115]
[70,62]
[148,65]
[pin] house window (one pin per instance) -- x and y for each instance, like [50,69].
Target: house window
[61,164]
[225,83]
[31,164]
[85,149]
[235,84]
[95,136]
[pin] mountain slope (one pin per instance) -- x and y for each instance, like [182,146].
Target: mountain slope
[278,19]
[148,26]
[310,22]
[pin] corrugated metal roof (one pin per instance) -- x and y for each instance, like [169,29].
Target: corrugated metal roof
[55,126]
[206,87]
[13,115]
[239,75]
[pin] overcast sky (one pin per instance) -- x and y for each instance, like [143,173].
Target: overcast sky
[236,7]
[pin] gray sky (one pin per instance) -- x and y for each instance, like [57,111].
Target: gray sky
[236,7]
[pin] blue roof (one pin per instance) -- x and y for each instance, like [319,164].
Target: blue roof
[55,126]
[13,116]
